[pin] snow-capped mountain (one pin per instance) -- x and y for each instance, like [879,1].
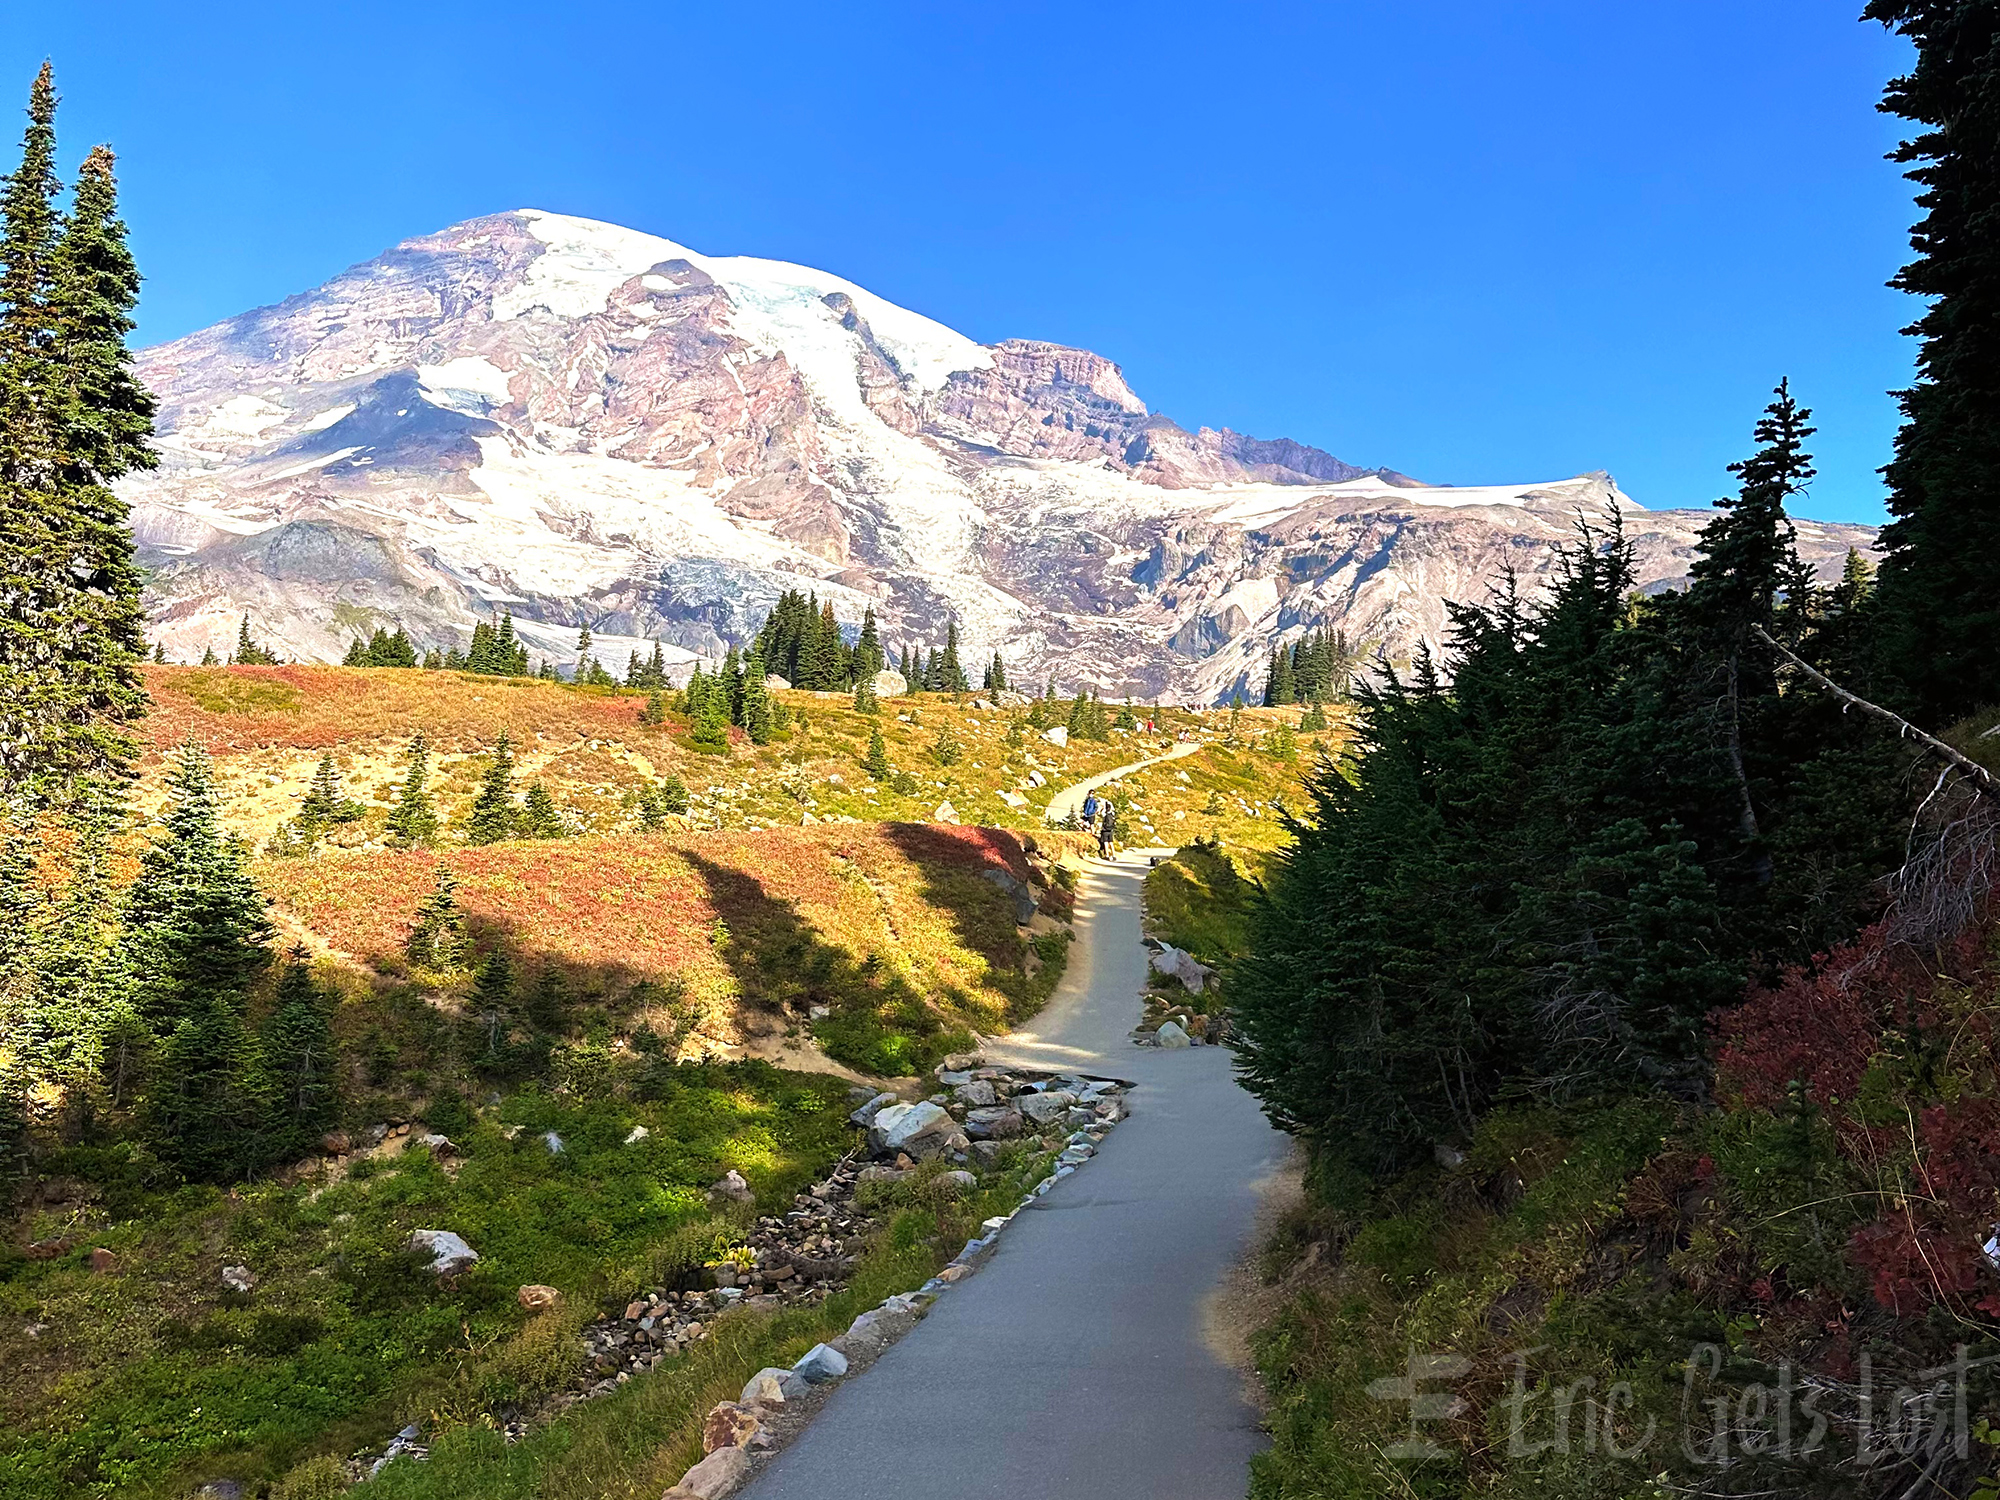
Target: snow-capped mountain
[589,425]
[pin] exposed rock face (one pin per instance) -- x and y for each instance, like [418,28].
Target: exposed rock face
[591,425]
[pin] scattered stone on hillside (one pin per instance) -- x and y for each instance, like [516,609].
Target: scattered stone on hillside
[336,1143]
[865,1115]
[1193,974]
[448,1252]
[945,813]
[636,1134]
[1057,735]
[916,1130]
[441,1145]
[1016,889]
[959,1062]
[536,1298]
[976,1093]
[239,1279]
[103,1261]
[51,1249]
[732,1188]
[1171,1035]
[553,1141]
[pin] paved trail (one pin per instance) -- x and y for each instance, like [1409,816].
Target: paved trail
[1073,1364]
[1069,800]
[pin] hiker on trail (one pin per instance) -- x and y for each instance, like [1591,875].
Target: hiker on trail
[1104,830]
[1090,806]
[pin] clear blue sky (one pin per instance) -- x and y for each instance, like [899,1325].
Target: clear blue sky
[1478,242]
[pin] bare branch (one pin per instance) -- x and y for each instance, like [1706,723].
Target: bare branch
[1982,779]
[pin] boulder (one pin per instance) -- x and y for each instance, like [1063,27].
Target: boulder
[103,1261]
[773,1387]
[865,1115]
[820,1364]
[986,1154]
[959,1062]
[1013,799]
[1008,698]
[963,1181]
[1171,1035]
[945,813]
[636,1134]
[1046,1106]
[1016,890]
[239,1279]
[916,1130]
[536,1298]
[890,684]
[775,683]
[1058,735]
[728,1425]
[716,1475]
[336,1143]
[440,1145]
[731,1188]
[449,1254]
[979,1094]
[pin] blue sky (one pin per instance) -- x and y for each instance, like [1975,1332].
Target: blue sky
[1478,242]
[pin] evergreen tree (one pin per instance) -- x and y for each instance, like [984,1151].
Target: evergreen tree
[996,675]
[708,727]
[248,652]
[674,795]
[413,821]
[1744,558]
[906,669]
[539,818]
[299,1057]
[195,922]
[1281,686]
[655,711]
[946,750]
[756,717]
[583,659]
[1940,579]
[868,657]
[324,804]
[208,657]
[952,675]
[865,701]
[492,1007]
[494,815]
[876,761]
[210,1109]
[1313,720]
[730,679]
[72,419]
[438,938]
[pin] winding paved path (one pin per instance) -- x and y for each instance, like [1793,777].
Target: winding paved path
[1070,799]
[1072,1364]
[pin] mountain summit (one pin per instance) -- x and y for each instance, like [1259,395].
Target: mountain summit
[590,425]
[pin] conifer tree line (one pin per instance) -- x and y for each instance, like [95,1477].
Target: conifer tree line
[1540,877]
[1317,668]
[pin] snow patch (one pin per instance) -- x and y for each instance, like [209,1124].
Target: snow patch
[472,386]
[241,418]
[325,419]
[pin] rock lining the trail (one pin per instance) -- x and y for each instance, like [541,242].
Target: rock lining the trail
[807,1253]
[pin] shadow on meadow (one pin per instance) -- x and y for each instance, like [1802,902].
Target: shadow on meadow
[785,968]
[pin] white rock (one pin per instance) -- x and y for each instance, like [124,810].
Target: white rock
[1014,799]
[636,1134]
[1041,1108]
[732,1186]
[240,1279]
[866,1114]
[890,684]
[922,1130]
[1059,735]
[774,683]
[1171,1035]
[945,813]
[553,1141]
[449,1254]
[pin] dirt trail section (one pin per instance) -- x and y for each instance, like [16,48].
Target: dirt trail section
[1081,1360]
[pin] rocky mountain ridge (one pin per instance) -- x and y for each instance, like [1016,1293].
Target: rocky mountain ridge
[589,425]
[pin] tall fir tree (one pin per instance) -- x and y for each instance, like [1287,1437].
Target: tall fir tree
[413,821]
[876,761]
[195,922]
[756,716]
[1939,592]
[210,1110]
[868,657]
[494,815]
[438,939]
[72,419]
[539,818]
[300,1059]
